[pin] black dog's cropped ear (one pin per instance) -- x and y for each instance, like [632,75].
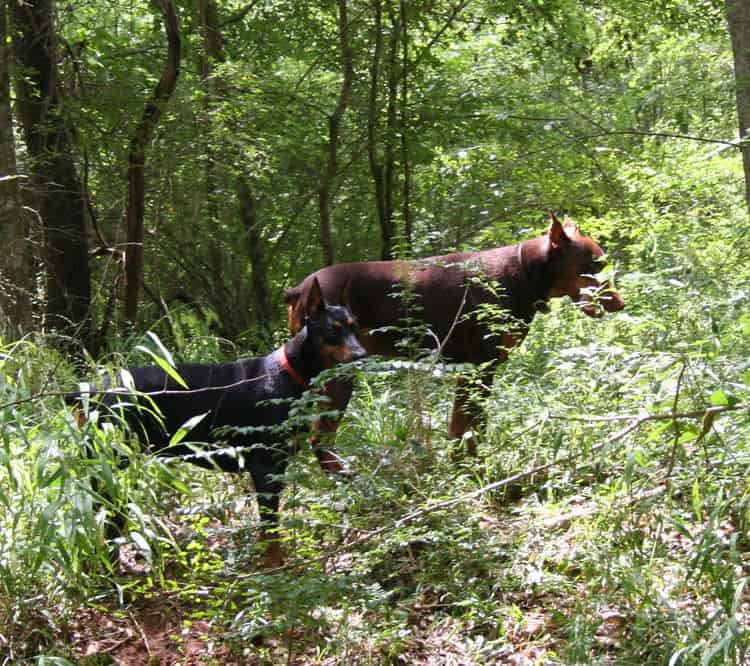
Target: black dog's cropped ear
[558,239]
[314,303]
[345,295]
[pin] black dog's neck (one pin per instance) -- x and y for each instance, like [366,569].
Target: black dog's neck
[302,355]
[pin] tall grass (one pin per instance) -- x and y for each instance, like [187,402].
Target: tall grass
[625,542]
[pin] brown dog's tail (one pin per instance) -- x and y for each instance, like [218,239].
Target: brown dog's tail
[293,318]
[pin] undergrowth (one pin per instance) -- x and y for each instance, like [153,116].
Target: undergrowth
[624,540]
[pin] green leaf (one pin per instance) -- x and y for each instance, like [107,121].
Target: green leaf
[162,349]
[127,379]
[142,544]
[166,365]
[719,398]
[696,499]
[186,427]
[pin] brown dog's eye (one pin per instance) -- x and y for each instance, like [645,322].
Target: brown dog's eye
[597,265]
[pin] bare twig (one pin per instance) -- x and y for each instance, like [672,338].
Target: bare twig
[455,11]
[240,14]
[676,441]
[694,414]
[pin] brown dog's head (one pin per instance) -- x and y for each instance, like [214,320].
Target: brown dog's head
[574,261]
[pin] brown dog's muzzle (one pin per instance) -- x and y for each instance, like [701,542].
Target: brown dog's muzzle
[604,299]
[611,300]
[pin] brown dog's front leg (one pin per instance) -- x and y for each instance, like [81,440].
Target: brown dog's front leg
[339,391]
[328,460]
[469,416]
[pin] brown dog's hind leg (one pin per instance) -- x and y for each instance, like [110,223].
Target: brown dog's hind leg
[273,555]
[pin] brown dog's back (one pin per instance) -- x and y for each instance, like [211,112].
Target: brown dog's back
[450,294]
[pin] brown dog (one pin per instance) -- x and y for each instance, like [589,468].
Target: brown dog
[448,292]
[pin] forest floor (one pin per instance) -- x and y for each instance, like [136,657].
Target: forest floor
[166,627]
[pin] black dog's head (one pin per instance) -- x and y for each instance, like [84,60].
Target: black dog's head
[331,329]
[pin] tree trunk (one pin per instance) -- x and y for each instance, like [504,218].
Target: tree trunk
[54,176]
[255,251]
[213,48]
[213,52]
[16,260]
[738,19]
[408,221]
[373,114]
[134,211]
[392,129]
[334,136]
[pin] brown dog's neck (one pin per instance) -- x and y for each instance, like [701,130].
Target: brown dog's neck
[531,261]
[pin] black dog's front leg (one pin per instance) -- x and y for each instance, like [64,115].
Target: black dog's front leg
[268,487]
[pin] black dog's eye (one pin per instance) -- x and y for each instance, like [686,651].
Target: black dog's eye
[335,331]
[353,327]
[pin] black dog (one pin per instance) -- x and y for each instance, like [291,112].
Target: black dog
[243,405]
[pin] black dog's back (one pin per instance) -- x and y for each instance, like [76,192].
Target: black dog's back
[250,393]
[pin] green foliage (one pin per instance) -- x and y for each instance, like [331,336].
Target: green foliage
[630,545]
[626,542]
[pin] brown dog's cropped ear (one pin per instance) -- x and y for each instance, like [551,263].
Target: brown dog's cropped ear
[569,224]
[558,239]
[314,303]
[345,295]
[291,296]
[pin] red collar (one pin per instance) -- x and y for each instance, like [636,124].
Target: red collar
[286,365]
